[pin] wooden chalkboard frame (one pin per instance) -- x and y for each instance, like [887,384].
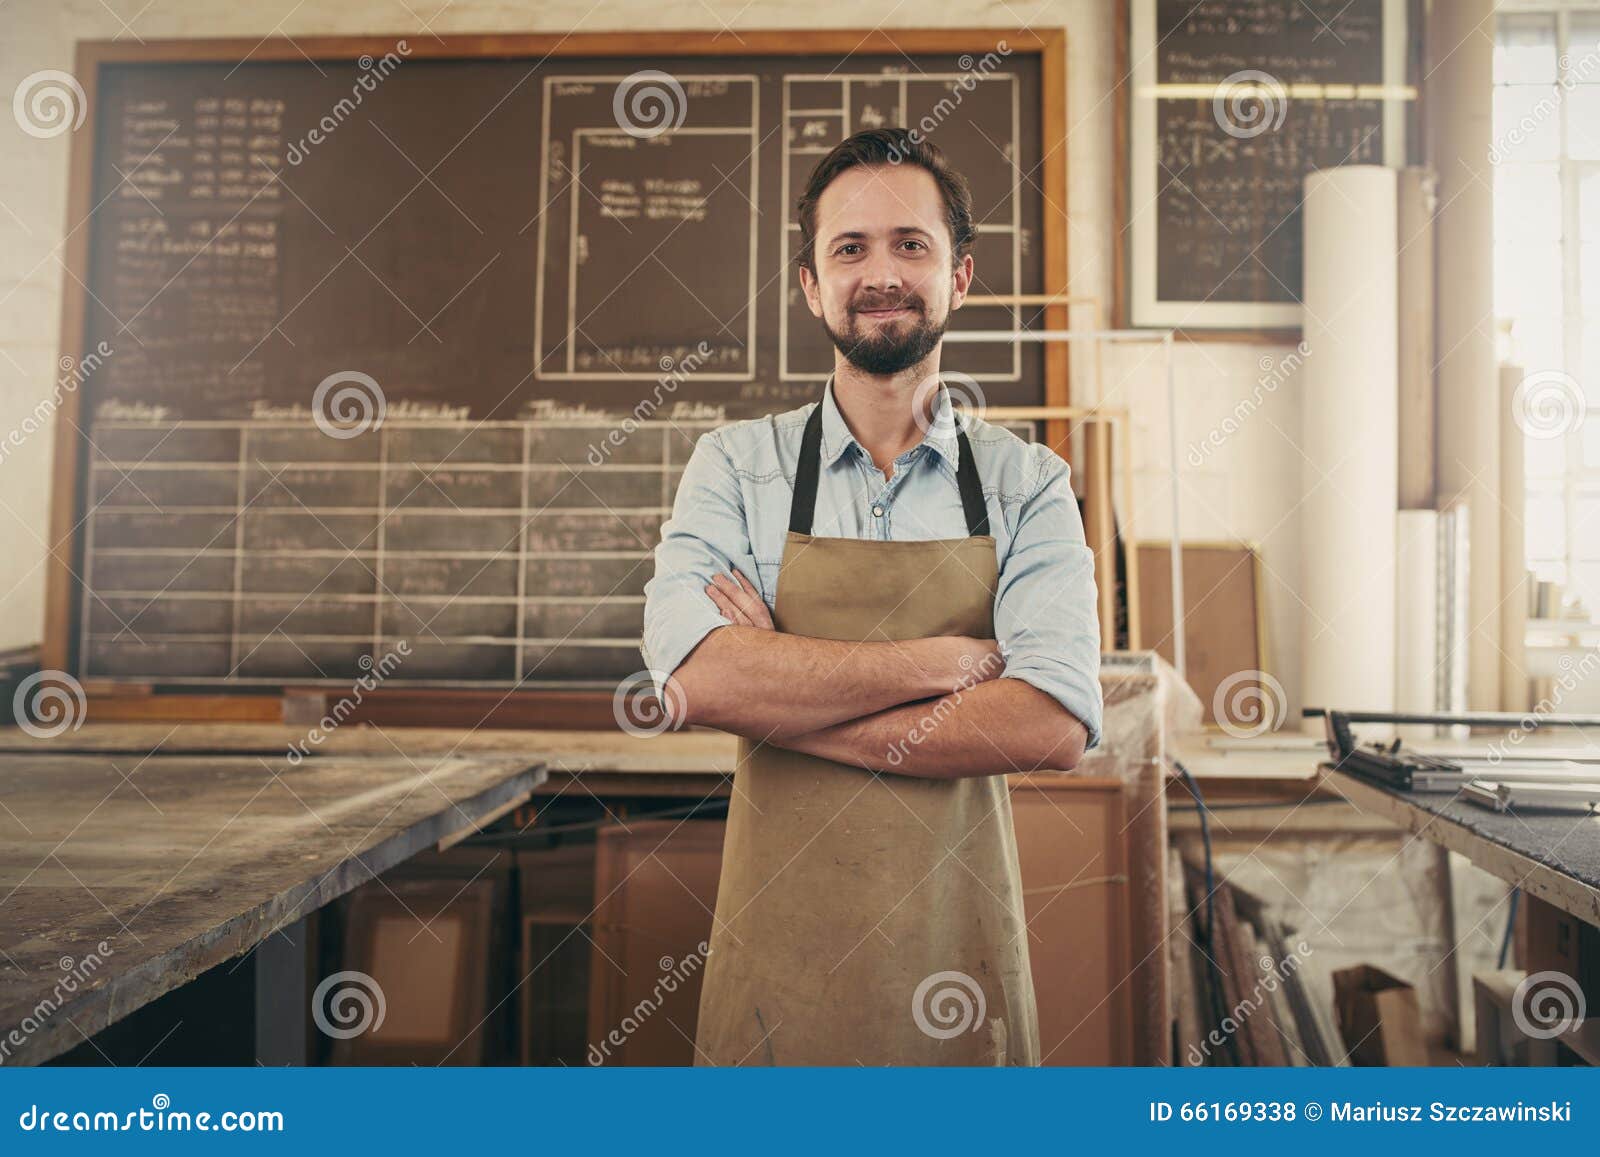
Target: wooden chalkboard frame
[1230,321]
[527,707]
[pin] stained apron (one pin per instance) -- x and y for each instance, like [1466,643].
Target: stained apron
[860,918]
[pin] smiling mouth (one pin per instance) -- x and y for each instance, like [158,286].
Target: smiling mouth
[894,312]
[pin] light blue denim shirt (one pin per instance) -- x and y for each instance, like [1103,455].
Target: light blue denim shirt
[732,512]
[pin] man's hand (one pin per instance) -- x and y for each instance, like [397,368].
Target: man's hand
[956,663]
[739,602]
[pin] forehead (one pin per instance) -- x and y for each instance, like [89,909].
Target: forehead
[879,198]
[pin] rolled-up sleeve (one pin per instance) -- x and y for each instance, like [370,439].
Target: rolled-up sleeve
[1046,614]
[706,534]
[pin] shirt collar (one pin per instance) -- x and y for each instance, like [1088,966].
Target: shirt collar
[836,436]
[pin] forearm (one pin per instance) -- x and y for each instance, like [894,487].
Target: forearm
[994,728]
[764,684]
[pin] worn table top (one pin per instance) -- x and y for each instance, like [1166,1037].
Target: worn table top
[602,751]
[123,876]
[1553,854]
[692,764]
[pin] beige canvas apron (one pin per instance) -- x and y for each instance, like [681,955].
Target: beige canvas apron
[860,918]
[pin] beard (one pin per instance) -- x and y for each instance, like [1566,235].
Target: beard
[880,349]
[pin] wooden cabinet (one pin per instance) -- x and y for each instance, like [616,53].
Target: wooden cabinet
[1073,849]
[557,893]
[655,892]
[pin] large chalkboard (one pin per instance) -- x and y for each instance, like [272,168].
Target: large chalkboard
[1232,103]
[407,343]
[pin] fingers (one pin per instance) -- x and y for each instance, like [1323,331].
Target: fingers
[754,605]
[738,600]
[726,605]
[741,595]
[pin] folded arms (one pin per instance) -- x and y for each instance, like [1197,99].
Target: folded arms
[936,708]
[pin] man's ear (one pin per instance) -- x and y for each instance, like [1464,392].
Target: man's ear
[961,281]
[813,291]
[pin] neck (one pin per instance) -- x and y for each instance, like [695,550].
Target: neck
[881,410]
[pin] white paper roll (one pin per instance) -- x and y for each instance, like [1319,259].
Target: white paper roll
[1513,551]
[1349,439]
[1416,616]
[1414,217]
[1460,113]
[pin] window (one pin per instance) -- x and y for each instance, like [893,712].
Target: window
[1547,268]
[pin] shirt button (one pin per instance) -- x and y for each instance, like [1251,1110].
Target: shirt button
[877,511]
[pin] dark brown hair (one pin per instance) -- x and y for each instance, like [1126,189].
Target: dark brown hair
[888,146]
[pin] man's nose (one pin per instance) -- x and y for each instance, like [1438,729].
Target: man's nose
[881,273]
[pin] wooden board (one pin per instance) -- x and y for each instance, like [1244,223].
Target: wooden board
[550,300]
[122,878]
[1224,623]
[1213,184]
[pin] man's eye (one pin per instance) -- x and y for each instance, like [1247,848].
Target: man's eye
[918,244]
[843,250]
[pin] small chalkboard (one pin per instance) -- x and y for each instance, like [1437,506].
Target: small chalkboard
[386,347]
[1230,104]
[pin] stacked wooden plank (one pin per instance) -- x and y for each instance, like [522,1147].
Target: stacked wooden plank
[1239,996]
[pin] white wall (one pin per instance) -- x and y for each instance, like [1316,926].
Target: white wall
[1247,489]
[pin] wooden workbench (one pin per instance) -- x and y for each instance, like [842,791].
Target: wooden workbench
[1554,855]
[123,876]
[1145,708]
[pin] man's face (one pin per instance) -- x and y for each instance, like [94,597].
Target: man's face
[885,281]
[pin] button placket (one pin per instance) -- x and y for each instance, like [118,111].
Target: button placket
[880,513]
[877,507]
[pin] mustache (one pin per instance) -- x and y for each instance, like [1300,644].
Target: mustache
[888,303]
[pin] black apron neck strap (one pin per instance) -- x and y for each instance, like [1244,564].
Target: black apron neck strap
[808,471]
[971,488]
[803,508]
